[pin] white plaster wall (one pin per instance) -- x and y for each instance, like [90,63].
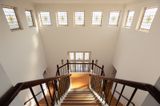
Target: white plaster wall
[21,52]
[100,40]
[137,56]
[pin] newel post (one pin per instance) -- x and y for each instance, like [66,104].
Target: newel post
[58,73]
[68,66]
[102,72]
[92,64]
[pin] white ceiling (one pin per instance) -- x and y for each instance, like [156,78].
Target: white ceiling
[84,1]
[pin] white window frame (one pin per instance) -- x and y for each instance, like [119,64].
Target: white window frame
[101,18]
[117,20]
[42,24]
[141,21]
[128,17]
[17,18]
[33,23]
[83,18]
[57,19]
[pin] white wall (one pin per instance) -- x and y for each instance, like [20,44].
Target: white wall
[100,40]
[137,56]
[21,52]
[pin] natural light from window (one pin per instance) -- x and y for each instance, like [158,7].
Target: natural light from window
[79,18]
[129,18]
[45,18]
[62,18]
[29,18]
[114,17]
[11,18]
[148,17]
[97,18]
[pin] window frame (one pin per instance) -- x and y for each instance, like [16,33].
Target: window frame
[117,20]
[33,21]
[101,19]
[127,19]
[16,16]
[75,19]
[41,23]
[57,19]
[142,17]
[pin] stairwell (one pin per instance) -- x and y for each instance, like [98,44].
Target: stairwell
[80,97]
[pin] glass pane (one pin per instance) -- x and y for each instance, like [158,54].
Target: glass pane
[148,18]
[97,18]
[11,18]
[86,56]
[29,18]
[79,56]
[114,17]
[45,18]
[79,18]
[71,56]
[129,18]
[62,18]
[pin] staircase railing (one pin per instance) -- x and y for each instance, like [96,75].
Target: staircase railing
[57,86]
[91,67]
[103,87]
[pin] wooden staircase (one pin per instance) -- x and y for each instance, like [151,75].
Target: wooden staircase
[80,97]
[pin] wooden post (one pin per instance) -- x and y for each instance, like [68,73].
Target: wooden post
[68,66]
[92,64]
[58,73]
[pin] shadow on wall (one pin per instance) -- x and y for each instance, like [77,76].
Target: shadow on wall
[150,101]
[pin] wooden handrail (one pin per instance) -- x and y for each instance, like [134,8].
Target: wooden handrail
[138,85]
[8,97]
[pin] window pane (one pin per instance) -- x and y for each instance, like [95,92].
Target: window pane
[97,18]
[129,18]
[71,56]
[79,56]
[148,18]
[45,18]
[79,18]
[29,18]
[62,18]
[86,56]
[11,18]
[114,17]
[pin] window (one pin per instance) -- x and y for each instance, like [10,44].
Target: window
[62,18]
[79,57]
[129,18]
[114,17]
[148,17]
[29,18]
[79,18]
[45,18]
[11,18]
[97,18]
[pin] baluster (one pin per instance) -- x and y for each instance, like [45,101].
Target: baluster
[92,65]
[120,94]
[113,93]
[135,90]
[44,94]
[58,73]
[68,66]
[34,96]
[49,92]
